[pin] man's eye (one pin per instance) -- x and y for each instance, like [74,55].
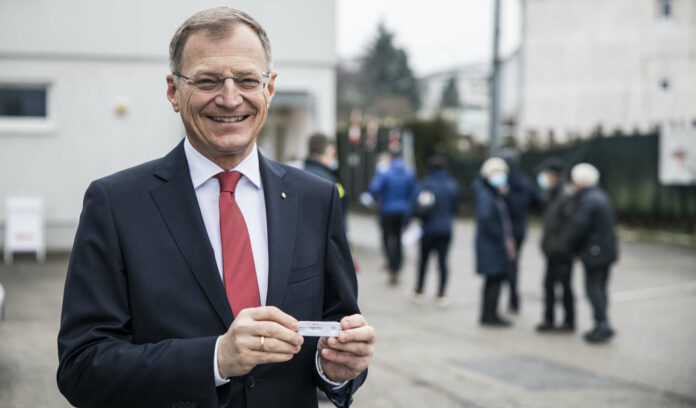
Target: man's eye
[248,83]
[205,83]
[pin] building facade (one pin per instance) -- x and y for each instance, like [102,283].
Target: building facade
[82,91]
[614,65]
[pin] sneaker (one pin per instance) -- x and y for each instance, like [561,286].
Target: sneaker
[418,298]
[495,322]
[566,327]
[545,327]
[599,335]
[442,301]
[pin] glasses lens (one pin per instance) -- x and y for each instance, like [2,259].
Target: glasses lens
[250,83]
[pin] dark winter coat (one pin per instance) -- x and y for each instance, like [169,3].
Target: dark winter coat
[438,221]
[317,168]
[393,188]
[491,255]
[520,199]
[592,237]
[558,216]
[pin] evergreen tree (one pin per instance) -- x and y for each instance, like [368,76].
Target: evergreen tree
[386,75]
[450,94]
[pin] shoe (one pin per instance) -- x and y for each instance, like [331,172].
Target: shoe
[566,328]
[393,279]
[495,322]
[599,335]
[545,327]
[442,301]
[417,298]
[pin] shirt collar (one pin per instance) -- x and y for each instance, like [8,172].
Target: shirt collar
[202,168]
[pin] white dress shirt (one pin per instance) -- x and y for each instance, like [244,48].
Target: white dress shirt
[249,197]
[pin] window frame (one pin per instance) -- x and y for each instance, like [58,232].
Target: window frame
[27,125]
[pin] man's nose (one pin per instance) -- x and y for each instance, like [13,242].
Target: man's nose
[229,96]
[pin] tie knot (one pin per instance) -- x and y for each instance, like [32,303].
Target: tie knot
[228,180]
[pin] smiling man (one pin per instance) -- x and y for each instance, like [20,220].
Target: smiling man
[189,274]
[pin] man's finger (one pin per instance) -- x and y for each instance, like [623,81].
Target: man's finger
[270,345]
[364,334]
[346,359]
[272,313]
[356,348]
[270,329]
[350,322]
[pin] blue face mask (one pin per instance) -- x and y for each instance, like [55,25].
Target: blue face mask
[498,180]
[543,181]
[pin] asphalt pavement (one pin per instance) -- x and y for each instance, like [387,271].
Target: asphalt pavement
[428,356]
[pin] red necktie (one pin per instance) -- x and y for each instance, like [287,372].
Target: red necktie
[237,259]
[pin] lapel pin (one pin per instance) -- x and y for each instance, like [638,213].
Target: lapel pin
[283,195]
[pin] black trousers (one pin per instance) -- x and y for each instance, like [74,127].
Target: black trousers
[439,244]
[559,273]
[596,280]
[491,292]
[391,237]
[514,301]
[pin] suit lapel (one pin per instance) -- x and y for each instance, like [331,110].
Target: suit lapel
[176,200]
[281,217]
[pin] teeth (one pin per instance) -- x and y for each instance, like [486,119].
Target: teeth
[227,119]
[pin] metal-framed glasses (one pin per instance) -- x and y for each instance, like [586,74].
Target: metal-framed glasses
[248,83]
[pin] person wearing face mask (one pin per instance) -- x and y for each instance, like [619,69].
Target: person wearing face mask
[494,242]
[593,240]
[558,213]
[323,162]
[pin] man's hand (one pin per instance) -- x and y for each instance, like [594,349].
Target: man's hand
[344,357]
[240,349]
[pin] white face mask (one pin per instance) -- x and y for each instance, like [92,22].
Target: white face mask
[543,181]
[498,180]
[333,165]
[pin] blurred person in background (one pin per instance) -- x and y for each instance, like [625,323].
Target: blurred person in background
[558,213]
[521,197]
[322,161]
[495,243]
[393,190]
[189,273]
[436,203]
[593,240]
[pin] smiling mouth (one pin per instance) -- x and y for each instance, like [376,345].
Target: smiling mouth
[228,119]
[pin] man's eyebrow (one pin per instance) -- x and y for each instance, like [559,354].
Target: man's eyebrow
[218,74]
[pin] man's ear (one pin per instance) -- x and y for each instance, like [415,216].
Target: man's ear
[271,87]
[172,92]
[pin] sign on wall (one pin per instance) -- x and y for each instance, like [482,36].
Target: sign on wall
[677,165]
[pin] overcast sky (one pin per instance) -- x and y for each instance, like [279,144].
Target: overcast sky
[437,34]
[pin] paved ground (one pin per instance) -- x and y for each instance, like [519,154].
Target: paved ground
[433,357]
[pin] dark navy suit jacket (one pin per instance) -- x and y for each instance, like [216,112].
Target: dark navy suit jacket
[144,302]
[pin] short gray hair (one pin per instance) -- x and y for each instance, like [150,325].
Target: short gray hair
[217,22]
[584,174]
[493,165]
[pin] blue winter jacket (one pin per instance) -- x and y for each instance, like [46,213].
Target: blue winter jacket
[394,188]
[491,256]
[438,222]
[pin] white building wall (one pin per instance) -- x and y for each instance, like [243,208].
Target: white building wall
[598,62]
[95,55]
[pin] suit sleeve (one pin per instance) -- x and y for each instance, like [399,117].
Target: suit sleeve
[100,365]
[340,291]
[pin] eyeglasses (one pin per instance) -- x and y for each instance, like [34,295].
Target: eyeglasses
[211,84]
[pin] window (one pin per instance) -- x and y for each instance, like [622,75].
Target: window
[23,101]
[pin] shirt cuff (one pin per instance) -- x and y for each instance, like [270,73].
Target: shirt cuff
[334,385]
[218,380]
